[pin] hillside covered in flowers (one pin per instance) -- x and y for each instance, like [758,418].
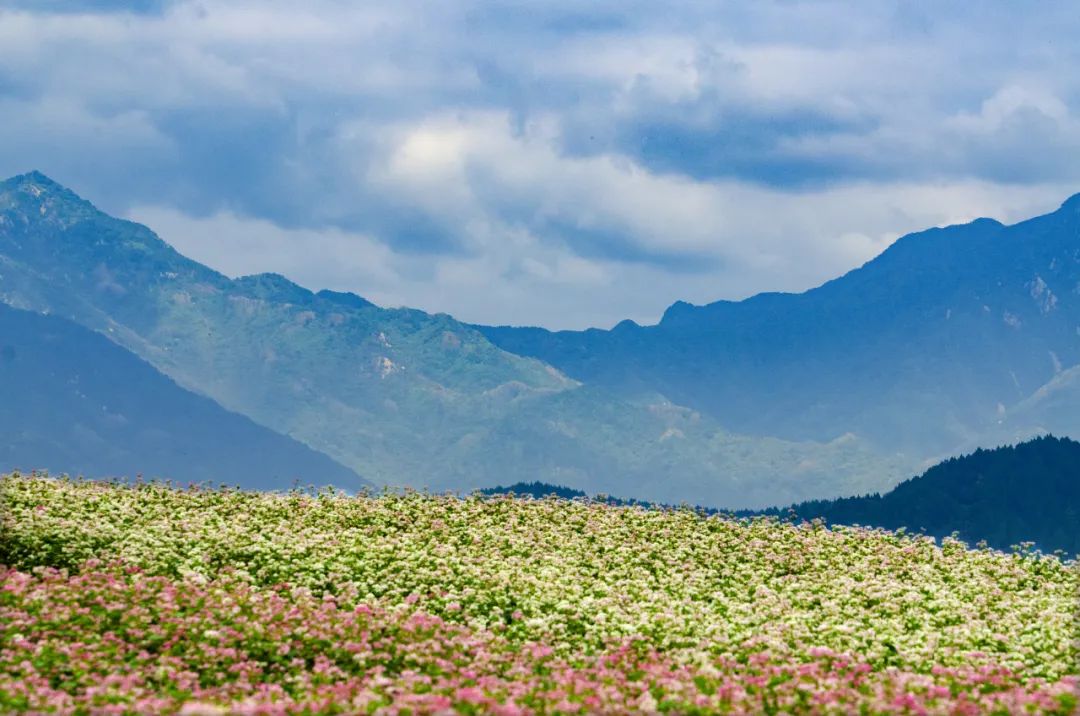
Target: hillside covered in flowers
[152,598]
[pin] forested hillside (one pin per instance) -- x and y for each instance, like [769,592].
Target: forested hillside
[1009,495]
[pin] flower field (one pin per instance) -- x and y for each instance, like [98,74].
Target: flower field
[149,598]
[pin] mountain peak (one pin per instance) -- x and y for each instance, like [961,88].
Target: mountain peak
[984,221]
[344,298]
[677,310]
[36,188]
[34,179]
[272,286]
[1071,204]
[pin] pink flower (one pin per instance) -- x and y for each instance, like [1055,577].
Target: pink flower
[469,695]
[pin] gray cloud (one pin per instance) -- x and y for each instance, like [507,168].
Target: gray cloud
[551,153]
[89,6]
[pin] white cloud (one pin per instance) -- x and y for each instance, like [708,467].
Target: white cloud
[1007,103]
[472,168]
[330,258]
[239,246]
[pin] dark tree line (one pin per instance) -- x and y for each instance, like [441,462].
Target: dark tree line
[1005,496]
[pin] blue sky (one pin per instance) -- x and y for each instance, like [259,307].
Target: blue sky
[557,163]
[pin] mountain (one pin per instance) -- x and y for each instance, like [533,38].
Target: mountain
[1024,493]
[77,403]
[939,344]
[1051,408]
[400,396]
[535,490]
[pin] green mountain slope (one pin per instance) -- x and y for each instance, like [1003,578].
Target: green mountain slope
[74,402]
[400,396]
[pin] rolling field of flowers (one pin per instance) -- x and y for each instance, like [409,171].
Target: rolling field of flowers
[153,599]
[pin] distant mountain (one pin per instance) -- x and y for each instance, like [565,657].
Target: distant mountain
[76,403]
[400,396]
[543,490]
[950,338]
[1026,493]
[536,490]
[1055,407]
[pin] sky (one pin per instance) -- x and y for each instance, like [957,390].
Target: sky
[558,163]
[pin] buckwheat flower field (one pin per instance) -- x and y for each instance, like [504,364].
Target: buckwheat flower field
[148,598]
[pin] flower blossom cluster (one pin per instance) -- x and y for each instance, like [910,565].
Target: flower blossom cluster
[148,598]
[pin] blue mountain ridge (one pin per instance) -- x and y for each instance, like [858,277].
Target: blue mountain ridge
[935,346]
[77,403]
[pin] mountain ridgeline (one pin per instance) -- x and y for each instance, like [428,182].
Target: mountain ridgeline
[950,339]
[399,396]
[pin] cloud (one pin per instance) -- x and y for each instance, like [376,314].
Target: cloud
[85,6]
[331,258]
[479,169]
[550,154]
[542,238]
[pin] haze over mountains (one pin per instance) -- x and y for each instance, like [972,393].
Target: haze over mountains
[951,338]
[77,403]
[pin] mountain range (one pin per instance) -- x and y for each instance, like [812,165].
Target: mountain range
[951,338]
[399,396]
